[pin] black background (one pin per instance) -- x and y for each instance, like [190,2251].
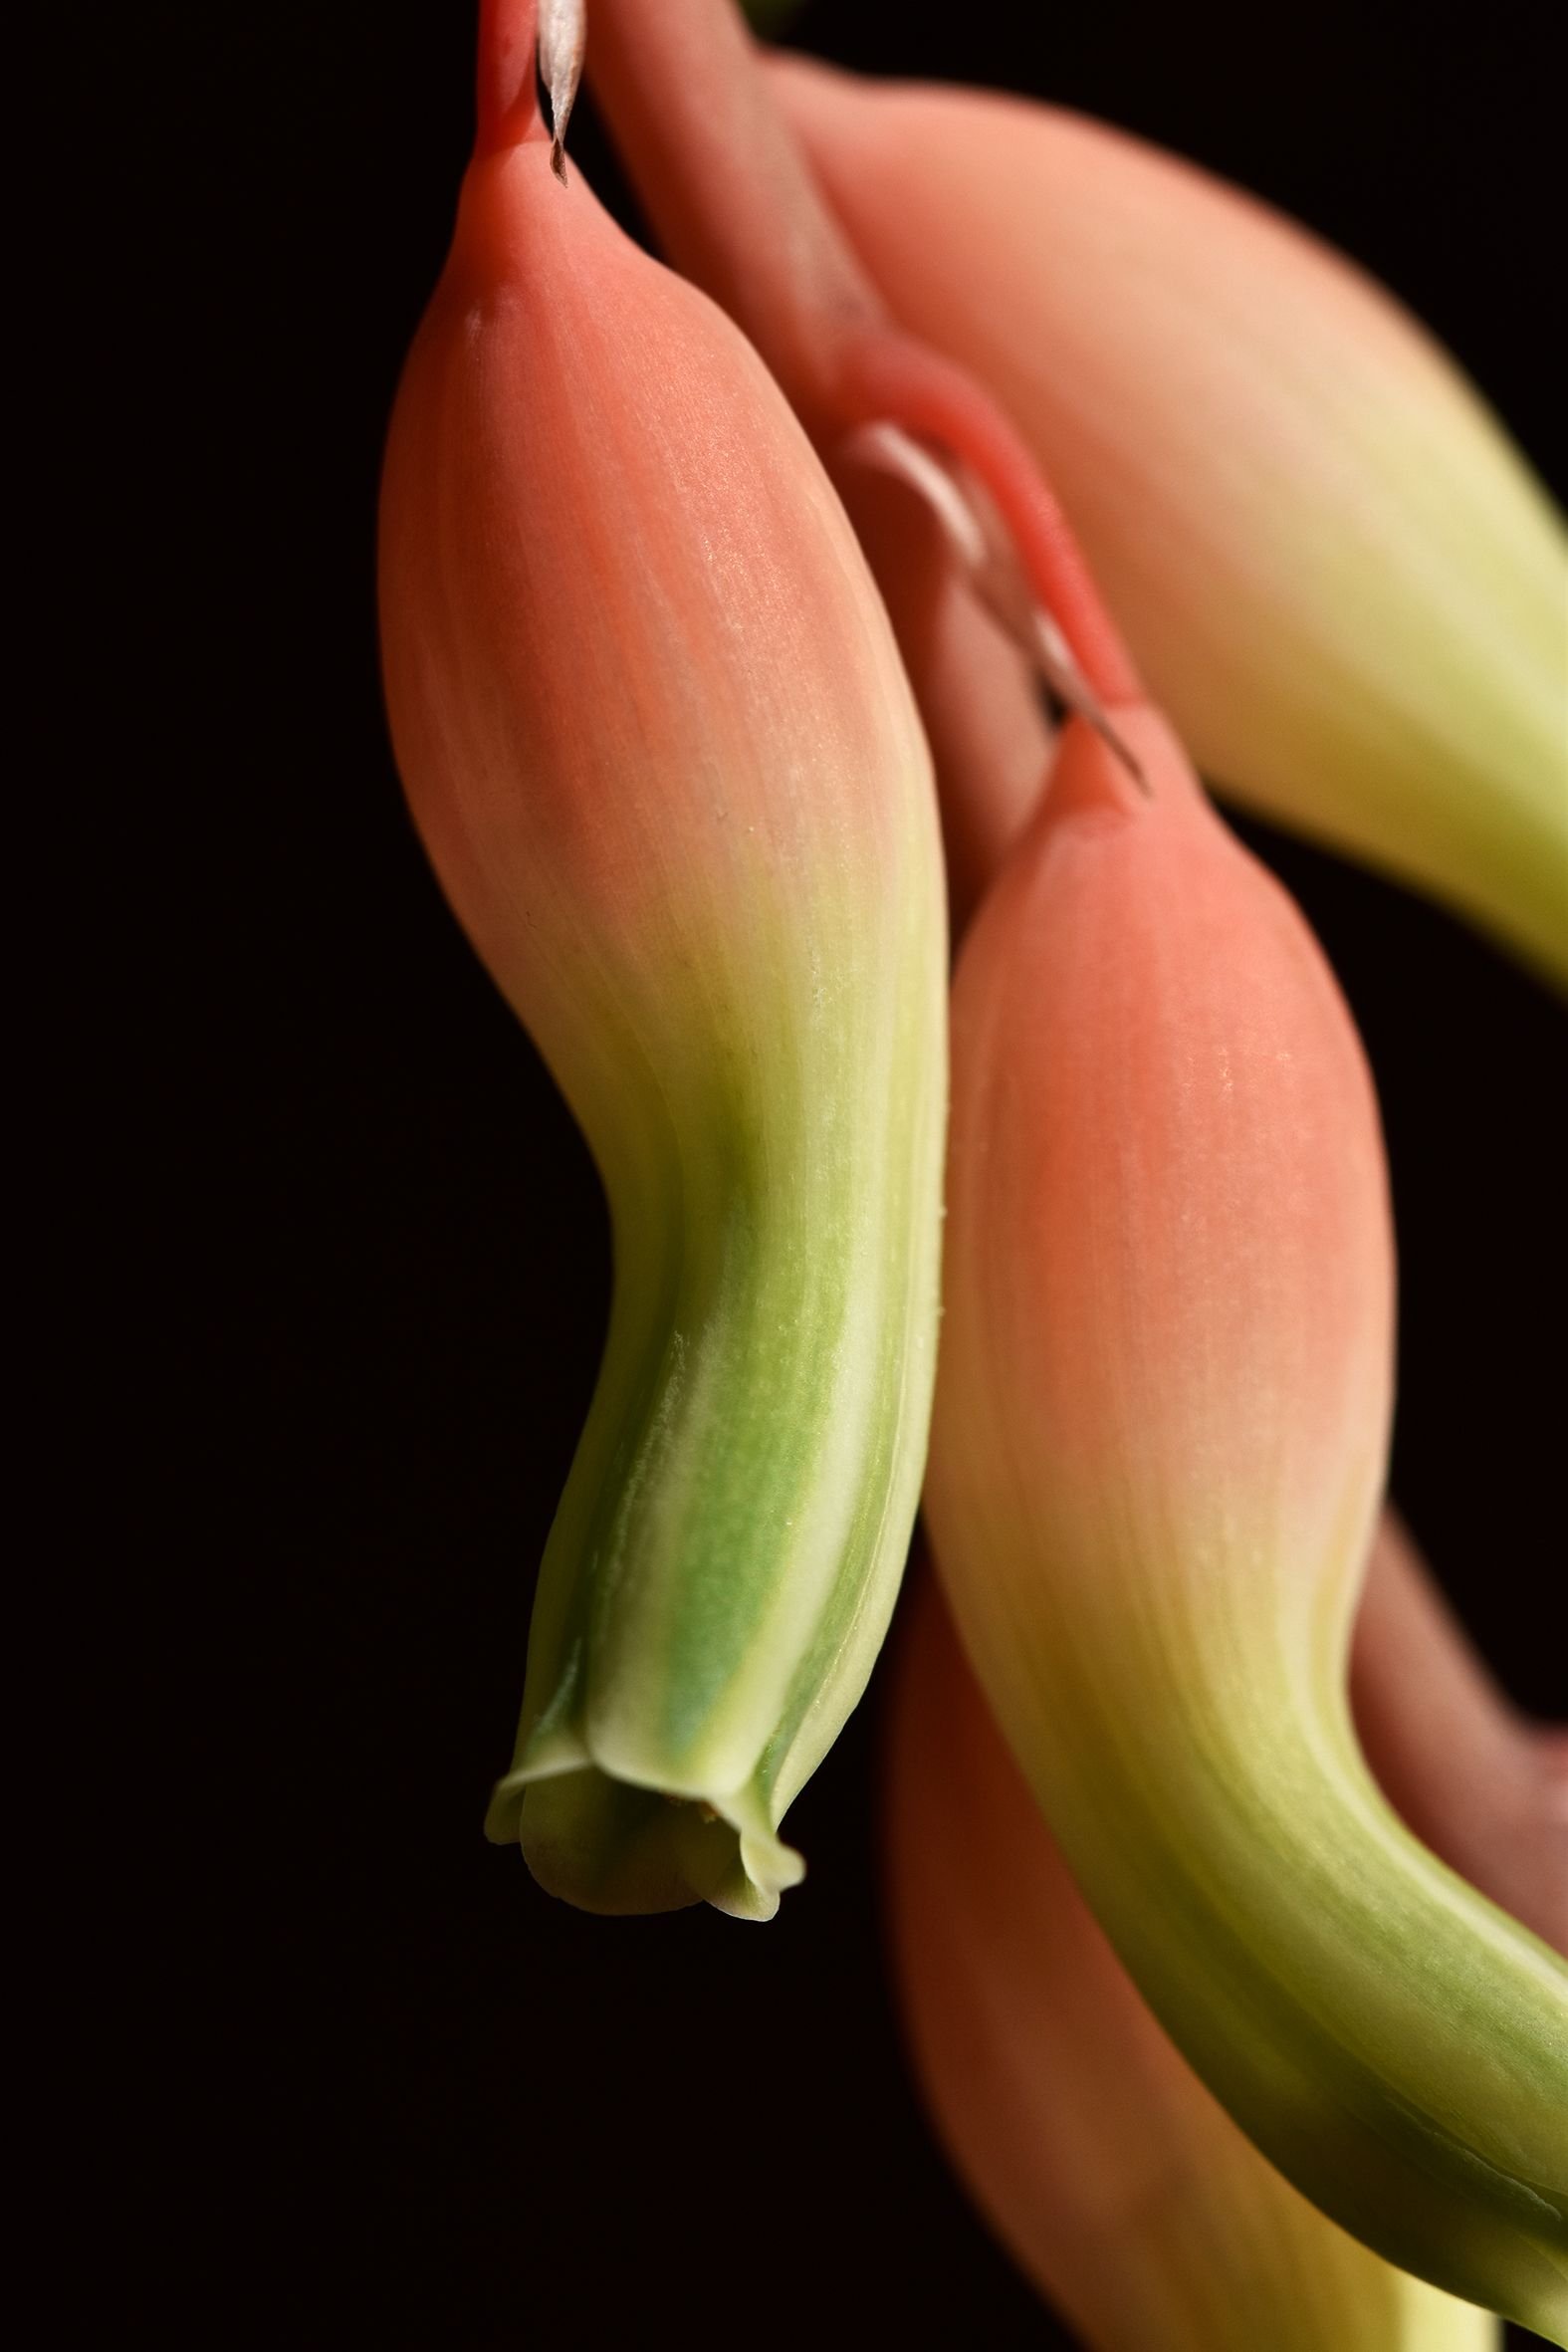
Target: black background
[381,2090]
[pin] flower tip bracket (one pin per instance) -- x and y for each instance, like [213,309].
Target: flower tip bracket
[563,44]
[525,47]
[982,545]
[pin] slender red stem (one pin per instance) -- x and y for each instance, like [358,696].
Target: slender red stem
[506,104]
[885,375]
[728,191]
[734,204]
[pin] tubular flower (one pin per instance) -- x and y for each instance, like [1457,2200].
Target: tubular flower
[1333,569]
[1157,1458]
[1118,2184]
[659,746]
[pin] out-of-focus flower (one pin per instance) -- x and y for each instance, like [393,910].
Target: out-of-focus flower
[1158,1452]
[1484,1787]
[1120,2186]
[658,743]
[1333,569]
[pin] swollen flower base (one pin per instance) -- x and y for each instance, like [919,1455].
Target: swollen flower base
[1157,1457]
[657,740]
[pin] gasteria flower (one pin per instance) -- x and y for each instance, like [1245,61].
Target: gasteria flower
[1120,2186]
[1334,570]
[657,740]
[1157,1457]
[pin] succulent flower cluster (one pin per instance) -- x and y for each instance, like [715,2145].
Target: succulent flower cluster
[720,596]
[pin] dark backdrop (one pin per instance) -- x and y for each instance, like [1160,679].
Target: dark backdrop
[383,2091]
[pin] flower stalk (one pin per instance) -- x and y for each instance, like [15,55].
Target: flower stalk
[1335,570]
[736,208]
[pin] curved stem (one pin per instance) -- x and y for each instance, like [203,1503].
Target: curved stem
[891,375]
[505,102]
[729,193]
[734,206]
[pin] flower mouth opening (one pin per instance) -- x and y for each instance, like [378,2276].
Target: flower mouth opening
[621,1847]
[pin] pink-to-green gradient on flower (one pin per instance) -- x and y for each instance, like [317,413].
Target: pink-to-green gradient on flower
[657,740]
[1157,1458]
[1334,570]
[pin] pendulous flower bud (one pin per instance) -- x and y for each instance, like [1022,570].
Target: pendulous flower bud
[656,736]
[1333,569]
[1120,2186]
[1157,1456]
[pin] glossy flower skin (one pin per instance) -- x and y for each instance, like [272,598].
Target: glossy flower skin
[656,737]
[1157,1457]
[1116,2181]
[1334,570]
